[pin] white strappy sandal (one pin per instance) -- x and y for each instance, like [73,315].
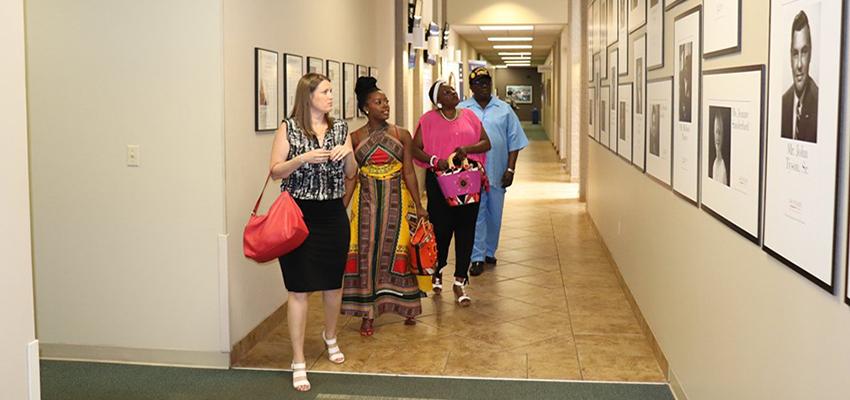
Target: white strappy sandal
[334,354]
[299,377]
[463,299]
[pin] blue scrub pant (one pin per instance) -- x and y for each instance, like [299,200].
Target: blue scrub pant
[489,224]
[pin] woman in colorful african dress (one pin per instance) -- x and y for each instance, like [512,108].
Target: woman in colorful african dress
[378,278]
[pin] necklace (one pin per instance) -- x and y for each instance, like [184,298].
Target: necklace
[382,128]
[447,118]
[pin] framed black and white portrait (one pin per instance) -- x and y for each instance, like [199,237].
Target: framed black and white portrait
[591,40]
[604,112]
[623,37]
[639,104]
[732,151]
[349,104]
[612,10]
[659,127]
[655,35]
[334,73]
[723,22]
[613,82]
[686,95]
[804,89]
[293,70]
[315,65]
[624,121]
[637,14]
[265,90]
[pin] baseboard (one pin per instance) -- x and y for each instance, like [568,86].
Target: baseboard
[644,326]
[676,386]
[239,350]
[121,355]
[33,371]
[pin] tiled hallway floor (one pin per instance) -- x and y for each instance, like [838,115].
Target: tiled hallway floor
[553,308]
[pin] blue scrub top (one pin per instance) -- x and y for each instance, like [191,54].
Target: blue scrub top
[505,133]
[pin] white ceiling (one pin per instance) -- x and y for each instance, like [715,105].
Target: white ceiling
[544,37]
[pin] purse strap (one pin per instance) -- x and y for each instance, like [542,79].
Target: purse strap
[257,205]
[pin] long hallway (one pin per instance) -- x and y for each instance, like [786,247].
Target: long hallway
[553,307]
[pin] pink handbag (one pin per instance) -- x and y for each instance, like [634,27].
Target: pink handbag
[461,184]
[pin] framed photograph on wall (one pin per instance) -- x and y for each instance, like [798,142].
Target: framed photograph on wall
[349,104]
[613,82]
[265,90]
[315,65]
[292,72]
[639,104]
[637,14]
[521,93]
[604,112]
[624,121]
[732,151]
[802,135]
[687,66]
[723,21]
[591,111]
[362,70]
[623,37]
[612,25]
[591,41]
[659,152]
[334,73]
[373,72]
[670,4]
[655,35]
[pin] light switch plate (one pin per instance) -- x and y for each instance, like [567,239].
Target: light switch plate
[133,155]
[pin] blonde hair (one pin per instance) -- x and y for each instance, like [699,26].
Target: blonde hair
[301,109]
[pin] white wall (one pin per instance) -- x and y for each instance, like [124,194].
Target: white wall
[733,323]
[16,292]
[359,32]
[126,257]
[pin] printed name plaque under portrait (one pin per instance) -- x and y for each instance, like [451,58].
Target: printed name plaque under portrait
[659,125]
[686,94]
[802,136]
[733,132]
[624,121]
[639,104]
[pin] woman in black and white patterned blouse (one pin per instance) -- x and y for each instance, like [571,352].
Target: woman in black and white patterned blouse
[312,154]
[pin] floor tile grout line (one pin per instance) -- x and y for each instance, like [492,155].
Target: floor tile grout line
[567,300]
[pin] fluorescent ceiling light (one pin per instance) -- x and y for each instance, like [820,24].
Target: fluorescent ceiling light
[516,58]
[506,27]
[508,62]
[510,39]
[500,66]
[514,53]
[519,65]
[512,46]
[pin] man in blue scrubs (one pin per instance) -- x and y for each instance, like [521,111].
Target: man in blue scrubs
[506,138]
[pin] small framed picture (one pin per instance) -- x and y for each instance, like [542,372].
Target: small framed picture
[349,105]
[292,73]
[334,73]
[265,90]
[315,65]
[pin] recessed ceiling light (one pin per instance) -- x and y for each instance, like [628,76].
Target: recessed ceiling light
[506,27]
[512,46]
[514,53]
[510,39]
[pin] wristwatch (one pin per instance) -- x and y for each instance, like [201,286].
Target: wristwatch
[511,170]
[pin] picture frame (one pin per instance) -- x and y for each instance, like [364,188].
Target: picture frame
[659,126]
[349,104]
[266,95]
[623,37]
[591,112]
[316,65]
[522,94]
[801,168]
[723,19]
[655,35]
[613,81]
[732,147]
[639,104]
[687,65]
[604,115]
[613,12]
[373,72]
[292,72]
[637,14]
[671,4]
[624,121]
[334,73]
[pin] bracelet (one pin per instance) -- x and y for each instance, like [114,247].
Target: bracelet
[511,170]
[433,161]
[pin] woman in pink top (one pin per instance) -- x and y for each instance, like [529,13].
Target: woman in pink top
[440,133]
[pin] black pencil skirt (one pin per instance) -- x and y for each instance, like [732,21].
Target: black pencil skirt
[319,262]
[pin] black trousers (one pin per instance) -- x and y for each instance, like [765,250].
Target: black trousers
[448,221]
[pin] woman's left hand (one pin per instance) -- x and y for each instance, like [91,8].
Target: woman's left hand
[340,151]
